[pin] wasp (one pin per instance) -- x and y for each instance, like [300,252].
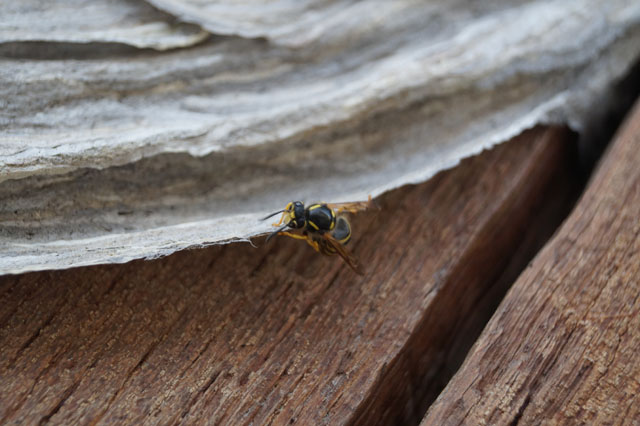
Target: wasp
[323,226]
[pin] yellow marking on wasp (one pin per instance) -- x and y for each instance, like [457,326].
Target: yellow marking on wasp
[315,206]
[313,244]
[314,225]
[345,239]
[294,236]
[284,214]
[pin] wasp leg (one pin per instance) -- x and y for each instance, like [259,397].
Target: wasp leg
[294,236]
[307,238]
[313,244]
[278,223]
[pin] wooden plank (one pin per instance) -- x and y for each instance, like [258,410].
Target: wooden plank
[280,334]
[563,346]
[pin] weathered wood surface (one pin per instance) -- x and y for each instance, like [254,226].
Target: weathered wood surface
[280,334]
[563,346]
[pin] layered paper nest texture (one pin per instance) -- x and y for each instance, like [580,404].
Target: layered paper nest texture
[132,129]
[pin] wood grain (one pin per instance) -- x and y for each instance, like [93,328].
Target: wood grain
[279,334]
[563,346]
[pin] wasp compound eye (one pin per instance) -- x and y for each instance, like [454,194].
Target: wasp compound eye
[298,210]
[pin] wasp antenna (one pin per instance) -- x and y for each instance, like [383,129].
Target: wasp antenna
[272,214]
[282,228]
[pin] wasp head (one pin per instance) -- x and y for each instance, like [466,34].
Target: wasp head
[295,214]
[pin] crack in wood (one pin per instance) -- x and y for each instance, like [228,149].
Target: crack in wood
[569,353]
[194,400]
[67,394]
[31,339]
[474,252]
[520,411]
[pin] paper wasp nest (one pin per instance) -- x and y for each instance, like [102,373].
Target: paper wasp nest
[132,129]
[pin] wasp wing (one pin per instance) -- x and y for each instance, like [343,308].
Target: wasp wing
[353,207]
[344,253]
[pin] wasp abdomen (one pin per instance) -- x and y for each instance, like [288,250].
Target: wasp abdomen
[342,231]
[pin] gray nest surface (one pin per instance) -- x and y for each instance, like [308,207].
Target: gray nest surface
[132,129]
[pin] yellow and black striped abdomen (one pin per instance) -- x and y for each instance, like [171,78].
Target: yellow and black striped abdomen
[341,233]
